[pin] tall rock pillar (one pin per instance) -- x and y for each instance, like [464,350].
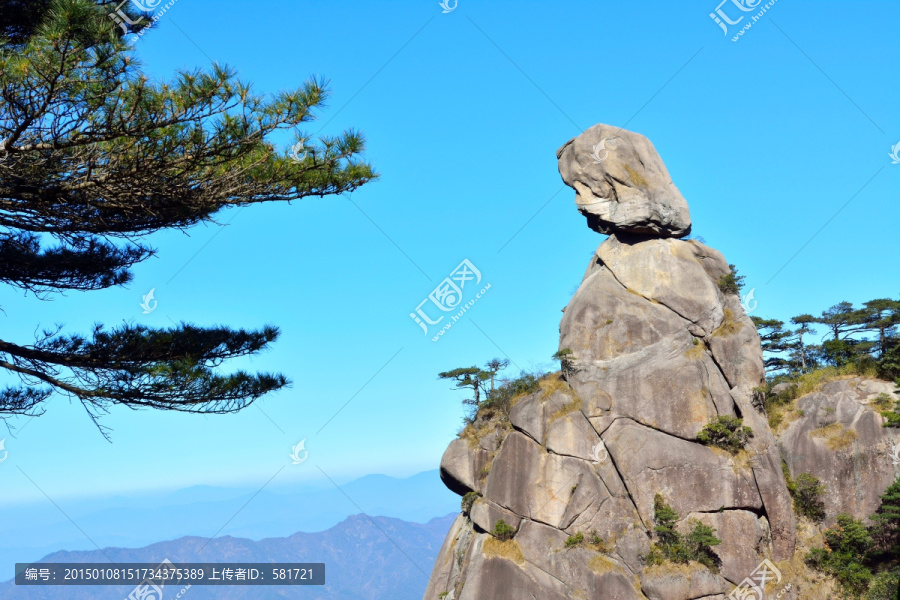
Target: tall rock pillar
[658,351]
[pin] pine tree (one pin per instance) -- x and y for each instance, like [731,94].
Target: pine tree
[889,365]
[94,157]
[468,378]
[775,340]
[492,367]
[797,345]
[887,523]
[883,316]
[807,492]
[19,19]
[842,319]
[846,552]
[731,282]
[665,518]
[845,322]
[566,359]
[700,541]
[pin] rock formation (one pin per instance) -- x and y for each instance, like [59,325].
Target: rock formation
[622,185]
[659,349]
[838,437]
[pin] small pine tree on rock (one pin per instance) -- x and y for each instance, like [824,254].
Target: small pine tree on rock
[503,531]
[728,433]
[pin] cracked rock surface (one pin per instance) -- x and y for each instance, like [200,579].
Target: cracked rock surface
[659,351]
[622,185]
[840,440]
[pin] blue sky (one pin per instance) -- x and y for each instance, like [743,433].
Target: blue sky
[779,142]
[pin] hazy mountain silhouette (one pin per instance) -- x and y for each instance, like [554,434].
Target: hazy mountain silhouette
[365,559]
[30,532]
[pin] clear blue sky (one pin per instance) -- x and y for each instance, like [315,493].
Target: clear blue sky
[779,142]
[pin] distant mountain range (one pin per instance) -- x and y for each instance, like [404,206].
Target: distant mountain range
[30,532]
[365,559]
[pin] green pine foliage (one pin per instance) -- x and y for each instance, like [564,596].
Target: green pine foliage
[847,547]
[468,500]
[886,532]
[728,433]
[596,542]
[731,282]
[95,157]
[467,378]
[502,398]
[491,395]
[891,417]
[806,492]
[884,586]
[665,519]
[591,540]
[699,543]
[865,561]
[566,359]
[865,338]
[675,547]
[503,531]
[889,364]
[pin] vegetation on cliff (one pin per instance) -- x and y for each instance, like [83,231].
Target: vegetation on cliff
[491,394]
[806,492]
[728,433]
[865,560]
[671,545]
[865,337]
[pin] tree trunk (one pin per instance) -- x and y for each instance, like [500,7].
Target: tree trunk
[802,355]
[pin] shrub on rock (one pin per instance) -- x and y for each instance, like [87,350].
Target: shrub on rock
[728,433]
[677,548]
[807,494]
[503,531]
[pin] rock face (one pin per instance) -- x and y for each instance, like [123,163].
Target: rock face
[840,439]
[622,185]
[658,352]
